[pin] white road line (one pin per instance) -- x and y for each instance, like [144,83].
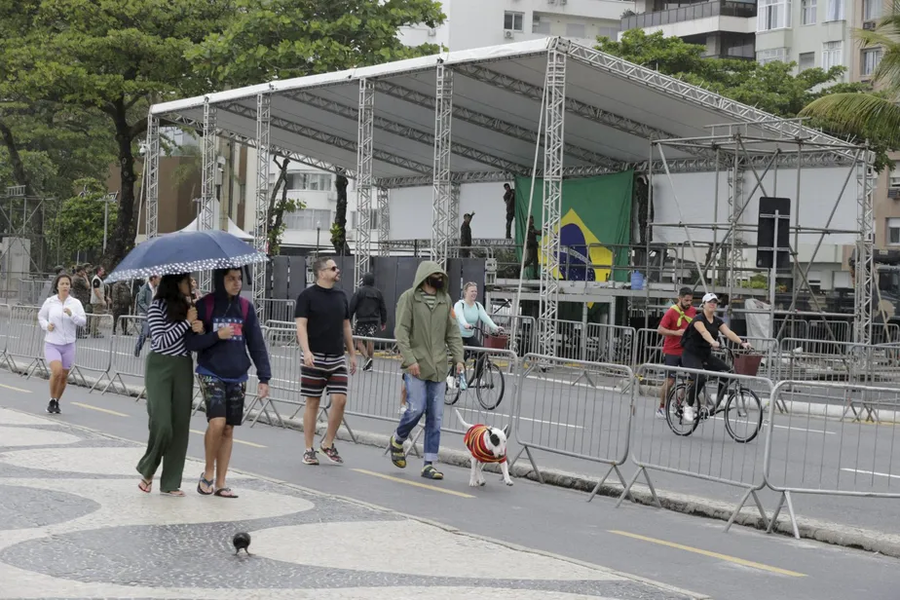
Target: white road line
[861,472]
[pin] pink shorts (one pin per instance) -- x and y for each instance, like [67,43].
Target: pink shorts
[64,353]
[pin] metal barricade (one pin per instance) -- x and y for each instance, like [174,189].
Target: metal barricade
[571,340]
[806,454]
[33,292]
[25,341]
[277,310]
[282,333]
[648,348]
[129,360]
[884,364]
[829,330]
[710,451]
[574,409]
[93,353]
[522,332]
[614,344]
[4,334]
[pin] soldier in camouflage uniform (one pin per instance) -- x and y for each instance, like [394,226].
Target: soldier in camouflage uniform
[121,304]
[81,290]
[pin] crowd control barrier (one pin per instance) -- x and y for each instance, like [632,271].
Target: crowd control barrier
[25,341]
[125,363]
[93,354]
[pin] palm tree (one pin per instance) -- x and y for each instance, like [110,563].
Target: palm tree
[878,115]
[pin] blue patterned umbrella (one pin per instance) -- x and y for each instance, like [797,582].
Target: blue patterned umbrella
[185,252]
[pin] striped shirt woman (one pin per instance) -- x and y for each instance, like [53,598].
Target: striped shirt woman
[170,385]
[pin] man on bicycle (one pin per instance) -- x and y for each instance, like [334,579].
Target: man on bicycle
[469,314]
[698,342]
[672,326]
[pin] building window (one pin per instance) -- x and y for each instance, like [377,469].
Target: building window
[540,26]
[871,9]
[807,61]
[808,12]
[870,59]
[771,55]
[312,182]
[835,10]
[832,55]
[308,219]
[514,21]
[893,232]
[894,181]
[576,30]
[373,219]
[773,14]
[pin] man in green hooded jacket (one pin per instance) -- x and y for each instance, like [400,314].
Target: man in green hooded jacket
[425,328]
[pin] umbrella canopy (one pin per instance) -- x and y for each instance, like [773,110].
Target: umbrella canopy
[185,252]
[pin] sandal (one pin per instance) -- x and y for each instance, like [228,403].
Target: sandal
[398,457]
[429,472]
[225,493]
[145,485]
[210,485]
[173,493]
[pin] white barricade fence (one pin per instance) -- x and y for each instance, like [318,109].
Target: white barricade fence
[277,310]
[522,332]
[823,361]
[723,445]
[806,454]
[25,341]
[885,333]
[829,330]
[884,364]
[93,354]
[129,361]
[571,340]
[281,334]
[790,327]
[613,344]
[648,348]
[575,409]
[4,335]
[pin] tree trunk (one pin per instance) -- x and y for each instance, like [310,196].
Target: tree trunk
[339,236]
[276,209]
[121,239]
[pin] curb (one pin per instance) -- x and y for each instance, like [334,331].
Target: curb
[812,529]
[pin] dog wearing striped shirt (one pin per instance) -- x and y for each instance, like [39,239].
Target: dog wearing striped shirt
[486,445]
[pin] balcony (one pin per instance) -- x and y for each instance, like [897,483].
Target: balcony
[722,8]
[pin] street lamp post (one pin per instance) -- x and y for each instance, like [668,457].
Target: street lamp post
[112,197]
[318,232]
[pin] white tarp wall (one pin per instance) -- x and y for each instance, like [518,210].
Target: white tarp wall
[696,193]
[410,211]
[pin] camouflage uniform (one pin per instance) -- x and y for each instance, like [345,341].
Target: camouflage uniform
[81,290]
[121,304]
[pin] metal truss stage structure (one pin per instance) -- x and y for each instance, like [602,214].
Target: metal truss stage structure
[545,108]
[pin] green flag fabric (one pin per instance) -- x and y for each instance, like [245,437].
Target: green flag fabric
[595,219]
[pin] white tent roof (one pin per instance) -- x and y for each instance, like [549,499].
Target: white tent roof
[233,229]
[613,108]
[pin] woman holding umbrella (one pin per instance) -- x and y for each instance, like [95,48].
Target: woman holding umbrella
[169,380]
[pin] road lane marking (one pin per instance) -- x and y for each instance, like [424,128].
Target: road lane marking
[861,472]
[425,486]
[15,389]
[97,408]
[725,557]
[198,432]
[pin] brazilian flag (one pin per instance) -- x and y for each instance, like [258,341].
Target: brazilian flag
[595,218]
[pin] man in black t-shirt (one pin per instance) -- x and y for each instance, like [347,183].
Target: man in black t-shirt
[323,330]
[699,340]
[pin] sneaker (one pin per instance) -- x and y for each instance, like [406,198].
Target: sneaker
[369,364]
[309,457]
[688,414]
[660,413]
[53,407]
[332,454]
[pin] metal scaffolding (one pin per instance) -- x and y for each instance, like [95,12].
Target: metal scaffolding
[455,192]
[261,228]
[384,221]
[364,148]
[442,195]
[554,149]
[864,267]
[151,227]
[208,180]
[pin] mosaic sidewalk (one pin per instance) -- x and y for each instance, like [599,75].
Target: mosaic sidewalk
[74,525]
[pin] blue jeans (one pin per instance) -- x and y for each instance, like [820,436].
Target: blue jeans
[423,397]
[145,333]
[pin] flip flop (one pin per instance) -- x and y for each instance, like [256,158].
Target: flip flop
[173,493]
[145,485]
[225,493]
[210,485]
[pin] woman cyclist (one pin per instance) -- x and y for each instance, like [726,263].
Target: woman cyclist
[469,313]
[699,340]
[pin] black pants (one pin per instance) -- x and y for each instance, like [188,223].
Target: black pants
[531,260]
[509,221]
[471,342]
[704,363]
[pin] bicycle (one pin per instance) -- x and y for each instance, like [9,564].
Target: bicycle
[490,385]
[737,402]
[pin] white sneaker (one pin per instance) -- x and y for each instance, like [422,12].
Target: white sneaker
[660,413]
[688,414]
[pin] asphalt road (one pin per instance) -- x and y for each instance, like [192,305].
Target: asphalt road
[688,552]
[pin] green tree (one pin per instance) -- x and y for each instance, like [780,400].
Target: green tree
[877,114]
[111,57]
[78,227]
[279,203]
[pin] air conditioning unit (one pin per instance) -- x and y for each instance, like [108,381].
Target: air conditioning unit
[508,33]
[893,192]
[869,25]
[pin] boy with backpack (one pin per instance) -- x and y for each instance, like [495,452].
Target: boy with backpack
[225,331]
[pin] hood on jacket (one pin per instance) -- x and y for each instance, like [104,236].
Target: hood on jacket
[219,282]
[426,268]
[368,279]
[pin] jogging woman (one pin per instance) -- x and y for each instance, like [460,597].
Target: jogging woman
[60,316]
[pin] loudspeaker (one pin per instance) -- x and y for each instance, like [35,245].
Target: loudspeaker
[766,244]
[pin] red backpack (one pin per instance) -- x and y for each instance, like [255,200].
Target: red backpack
[208,301]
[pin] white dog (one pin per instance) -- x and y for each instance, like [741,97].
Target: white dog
[487,445]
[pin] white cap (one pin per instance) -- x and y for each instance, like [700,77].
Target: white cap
[710,298]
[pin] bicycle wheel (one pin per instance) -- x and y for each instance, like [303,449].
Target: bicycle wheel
[489,389]
[743,415]
[451,395]
[676,400]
